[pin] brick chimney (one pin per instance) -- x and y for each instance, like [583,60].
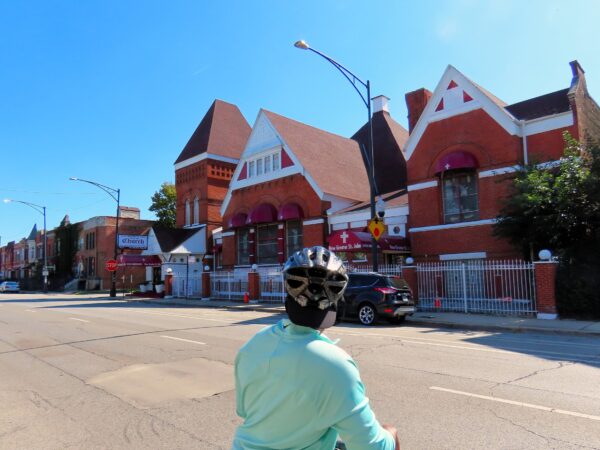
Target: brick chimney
[416,101]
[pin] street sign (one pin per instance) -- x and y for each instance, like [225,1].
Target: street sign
[376,227]
[45,273]
[51,267]
[111,265]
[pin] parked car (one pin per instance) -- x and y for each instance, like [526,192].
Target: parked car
[370,296]
[9,286]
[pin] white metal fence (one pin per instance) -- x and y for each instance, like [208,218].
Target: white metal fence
[272,289]
[492,287]
[228,285]
[386,269]
[187,286]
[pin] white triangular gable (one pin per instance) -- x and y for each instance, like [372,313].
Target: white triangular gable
[194,245]
[153,245]
[455,94]
[265,139]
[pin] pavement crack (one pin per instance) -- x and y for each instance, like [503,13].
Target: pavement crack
[537,372]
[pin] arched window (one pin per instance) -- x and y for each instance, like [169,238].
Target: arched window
[187,212]
[196,211]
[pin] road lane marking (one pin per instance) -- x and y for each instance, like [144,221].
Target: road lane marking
[515,403]
[184,340]
[80,320]
[30,310]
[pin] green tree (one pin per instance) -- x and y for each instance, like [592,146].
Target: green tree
[558,208]
[164,203]
[66,241]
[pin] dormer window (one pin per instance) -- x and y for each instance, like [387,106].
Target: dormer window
[264,164]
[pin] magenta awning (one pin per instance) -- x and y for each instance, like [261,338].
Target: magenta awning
[138,261]
[290,211]
[237,220]
[393,243]
[263,213]
[456,160]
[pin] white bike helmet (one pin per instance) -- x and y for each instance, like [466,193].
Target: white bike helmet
[315,280]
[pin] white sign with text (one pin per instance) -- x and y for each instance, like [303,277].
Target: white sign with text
[133,241]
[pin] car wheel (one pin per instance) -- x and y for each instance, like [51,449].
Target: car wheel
[367,314]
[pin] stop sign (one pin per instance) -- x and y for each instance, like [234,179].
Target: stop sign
[111,265]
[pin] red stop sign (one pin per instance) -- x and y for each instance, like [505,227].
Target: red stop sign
[111,265]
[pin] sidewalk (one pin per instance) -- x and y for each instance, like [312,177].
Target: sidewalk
[445,320]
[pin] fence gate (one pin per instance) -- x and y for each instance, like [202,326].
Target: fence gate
[475,286]
[187,286]
[272,289]
[225,285]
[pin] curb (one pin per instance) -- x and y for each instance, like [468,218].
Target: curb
[512,329]
[208,304]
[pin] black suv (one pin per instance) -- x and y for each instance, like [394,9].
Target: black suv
[370,296]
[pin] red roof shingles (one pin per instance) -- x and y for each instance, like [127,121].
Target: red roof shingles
[223,131]
[333,162]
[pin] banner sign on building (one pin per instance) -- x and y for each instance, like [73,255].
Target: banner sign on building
[133,241]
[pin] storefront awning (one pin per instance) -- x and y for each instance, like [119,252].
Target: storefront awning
[138,261]
[237,220]
[456,160]
[360,241]
[290,211]
[263,213]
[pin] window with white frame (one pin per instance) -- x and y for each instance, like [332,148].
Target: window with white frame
[259,167]
[267,163]
[293,236]
[187,212]
[251,165]
[275,161]
[243,246]
[264,164]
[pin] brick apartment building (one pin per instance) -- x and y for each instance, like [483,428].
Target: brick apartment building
[465,143]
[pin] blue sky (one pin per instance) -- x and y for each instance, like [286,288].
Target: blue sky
[112,90]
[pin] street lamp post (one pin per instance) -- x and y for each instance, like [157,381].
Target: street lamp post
[41,210]
[116,196]
[369,156]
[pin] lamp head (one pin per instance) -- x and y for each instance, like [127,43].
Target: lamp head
[302,45]
[7,200]
[73,178]
[380,207]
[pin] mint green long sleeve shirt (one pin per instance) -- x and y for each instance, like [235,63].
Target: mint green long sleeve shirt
[295,389]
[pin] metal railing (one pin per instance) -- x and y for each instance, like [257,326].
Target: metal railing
[187,286]
[272,289]
[490,287]
[386,269]
[228,285]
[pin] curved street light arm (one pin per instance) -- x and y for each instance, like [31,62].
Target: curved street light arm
[110,191]
[38,208]
[347,74]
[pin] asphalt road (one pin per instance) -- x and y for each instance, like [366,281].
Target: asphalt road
[87,373]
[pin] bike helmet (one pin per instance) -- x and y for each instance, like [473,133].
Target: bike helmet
[315,280]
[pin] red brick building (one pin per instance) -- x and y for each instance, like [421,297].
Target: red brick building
[464,145]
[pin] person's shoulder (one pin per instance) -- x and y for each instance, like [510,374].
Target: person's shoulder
[333,358]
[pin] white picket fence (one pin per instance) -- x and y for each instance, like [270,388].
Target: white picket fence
[491,287]
[187,286]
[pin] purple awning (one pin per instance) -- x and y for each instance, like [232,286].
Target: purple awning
[237,220]
[456,160]
[263,213]
[290,211]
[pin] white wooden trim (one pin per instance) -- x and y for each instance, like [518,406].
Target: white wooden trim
[549,123]
[457,256]
[499,171]
[313,221]
[227,234]
[453,225]
[202,157]
[424,185]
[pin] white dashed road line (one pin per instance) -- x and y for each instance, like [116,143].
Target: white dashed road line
[31,310]
[515,403]
[184,340]
[80,320]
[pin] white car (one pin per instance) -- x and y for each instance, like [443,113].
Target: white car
[9,286]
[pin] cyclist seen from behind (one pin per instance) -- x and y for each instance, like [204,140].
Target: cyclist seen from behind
[295,389]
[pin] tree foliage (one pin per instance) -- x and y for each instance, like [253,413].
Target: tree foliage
[558,207]
[164,203]
[66,242]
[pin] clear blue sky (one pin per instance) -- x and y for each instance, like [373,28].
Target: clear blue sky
[112,90]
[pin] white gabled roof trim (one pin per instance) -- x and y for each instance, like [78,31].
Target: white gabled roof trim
[313,221]
[549,123]
[480,99]
[202,157]
[251,153]
[498,171]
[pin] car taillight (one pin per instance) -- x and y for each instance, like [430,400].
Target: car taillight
[385,290]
